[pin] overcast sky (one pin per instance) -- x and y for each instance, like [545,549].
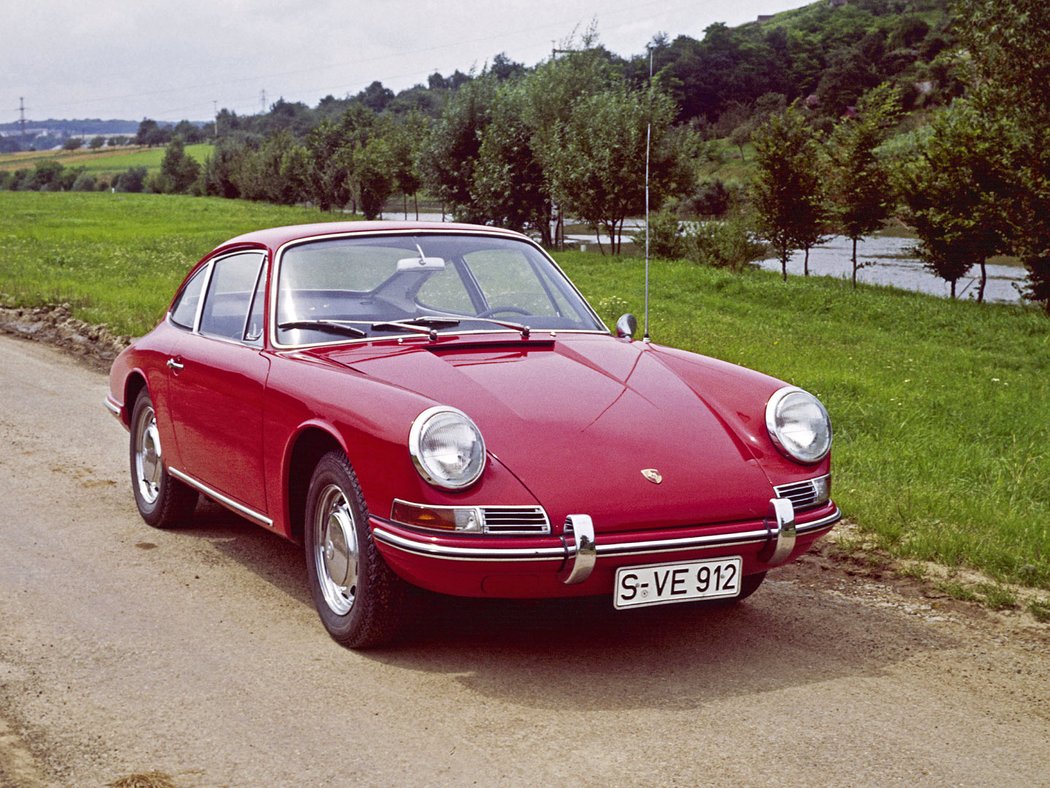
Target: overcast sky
[174,59]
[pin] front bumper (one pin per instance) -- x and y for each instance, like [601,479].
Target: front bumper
[580,562]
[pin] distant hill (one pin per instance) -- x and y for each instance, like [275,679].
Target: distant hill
[79,127]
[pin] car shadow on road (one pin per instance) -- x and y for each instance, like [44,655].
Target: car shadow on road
[584,654]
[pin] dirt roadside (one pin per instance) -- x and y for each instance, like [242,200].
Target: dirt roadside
[195,654]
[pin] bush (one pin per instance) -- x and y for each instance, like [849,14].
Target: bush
[711,198]
[132,180]
[85,182]
[665,236]
[729,243]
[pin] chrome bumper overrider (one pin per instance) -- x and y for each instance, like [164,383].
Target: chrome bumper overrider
[580,551]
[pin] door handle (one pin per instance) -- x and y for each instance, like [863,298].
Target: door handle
[175,364]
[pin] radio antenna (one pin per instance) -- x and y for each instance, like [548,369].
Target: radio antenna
[648,142]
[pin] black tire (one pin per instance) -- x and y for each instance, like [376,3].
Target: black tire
[361,602]
[162,500]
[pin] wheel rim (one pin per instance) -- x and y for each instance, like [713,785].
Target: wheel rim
[336,550]
[149,467]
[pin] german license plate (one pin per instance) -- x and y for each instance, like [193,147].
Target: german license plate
[661,584]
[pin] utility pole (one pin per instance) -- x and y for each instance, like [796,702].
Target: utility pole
[262,102]
[22,118]
[215,114]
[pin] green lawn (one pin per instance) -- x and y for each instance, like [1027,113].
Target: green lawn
[101,162]
[117,258]
[941,410]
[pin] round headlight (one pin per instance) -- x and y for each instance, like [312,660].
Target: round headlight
[798,425]
[447,448]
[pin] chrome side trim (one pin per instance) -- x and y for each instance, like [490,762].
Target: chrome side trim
[585,553]
[112,406]
[823,522]
[240,508]
[451,553]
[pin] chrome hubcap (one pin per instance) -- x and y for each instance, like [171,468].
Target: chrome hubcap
[148,465]
[336,550]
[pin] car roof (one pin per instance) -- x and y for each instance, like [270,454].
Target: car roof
[276,237]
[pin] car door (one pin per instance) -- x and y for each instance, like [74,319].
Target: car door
[217,384]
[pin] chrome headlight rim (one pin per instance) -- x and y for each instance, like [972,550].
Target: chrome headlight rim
[772,411]
[416,435]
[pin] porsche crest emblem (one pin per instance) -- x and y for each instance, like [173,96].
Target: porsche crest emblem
[652,475]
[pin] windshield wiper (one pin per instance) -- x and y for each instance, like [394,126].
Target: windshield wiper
[428,324]
[524,329]
[424,324]
[332,326]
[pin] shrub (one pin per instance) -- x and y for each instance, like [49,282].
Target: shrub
[665,236]
[131,180]
[729,243]
[84,182]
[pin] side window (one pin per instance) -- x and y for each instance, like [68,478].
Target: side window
[229,296]
[254,330]
[184,312]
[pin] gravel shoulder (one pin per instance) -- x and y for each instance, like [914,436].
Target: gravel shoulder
[195,656]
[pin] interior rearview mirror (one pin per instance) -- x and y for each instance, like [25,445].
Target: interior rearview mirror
[421,264]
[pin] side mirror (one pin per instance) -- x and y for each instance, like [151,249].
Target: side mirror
[627,326]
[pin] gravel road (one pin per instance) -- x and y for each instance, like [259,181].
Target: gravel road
[195,654]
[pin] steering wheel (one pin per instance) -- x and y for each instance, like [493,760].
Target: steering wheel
[495,310]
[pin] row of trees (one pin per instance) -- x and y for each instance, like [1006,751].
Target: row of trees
[975,186]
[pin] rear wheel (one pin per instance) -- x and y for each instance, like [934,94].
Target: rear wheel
[161,500]
[361,602]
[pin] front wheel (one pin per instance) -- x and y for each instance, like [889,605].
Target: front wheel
[162,501]
[361,602]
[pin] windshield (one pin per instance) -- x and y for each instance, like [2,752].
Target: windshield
[387,285]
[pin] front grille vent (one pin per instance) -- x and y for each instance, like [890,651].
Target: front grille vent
[515,520]
[805,495]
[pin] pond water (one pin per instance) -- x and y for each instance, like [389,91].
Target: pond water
[890,261]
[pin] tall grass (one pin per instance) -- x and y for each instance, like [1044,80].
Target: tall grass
[941,409]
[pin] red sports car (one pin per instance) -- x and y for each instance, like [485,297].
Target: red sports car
[437,405]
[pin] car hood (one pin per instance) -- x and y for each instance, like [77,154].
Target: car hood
[578,420]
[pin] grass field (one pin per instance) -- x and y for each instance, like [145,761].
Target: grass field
[942,435]
[101,162]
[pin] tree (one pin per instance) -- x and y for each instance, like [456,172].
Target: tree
[953,191]
[151,134]
[405,138]
[554,89]
[97,142]
[221,169]
[448,158]
[373,171]
[73,143]
[509,186]
[1009,44]
[860,184]
[598,164]
[789,186]
[178,171]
